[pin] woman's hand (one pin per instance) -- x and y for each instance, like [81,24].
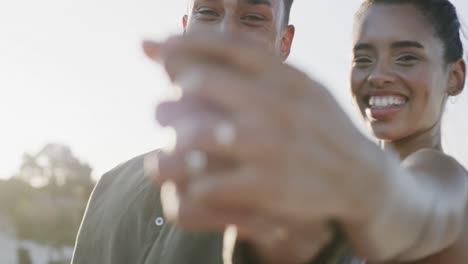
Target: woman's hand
[268,142]
[294,244]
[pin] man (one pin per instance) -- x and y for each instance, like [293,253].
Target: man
[124,221]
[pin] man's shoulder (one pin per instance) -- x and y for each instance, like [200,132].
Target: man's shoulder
[123,183]
[128,171]
[131,165]
[123,207]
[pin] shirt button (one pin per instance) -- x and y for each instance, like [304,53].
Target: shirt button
[159,221]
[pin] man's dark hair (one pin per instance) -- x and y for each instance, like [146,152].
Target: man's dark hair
[441,15]
[287,7]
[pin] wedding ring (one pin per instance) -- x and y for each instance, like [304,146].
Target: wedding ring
[195,162]
[279,234]
[225,133]
[275,235]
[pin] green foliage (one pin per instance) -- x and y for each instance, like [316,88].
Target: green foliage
[49,212]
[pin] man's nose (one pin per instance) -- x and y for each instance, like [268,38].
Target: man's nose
[229,26]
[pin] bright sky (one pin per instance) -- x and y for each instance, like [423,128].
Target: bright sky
[72,71]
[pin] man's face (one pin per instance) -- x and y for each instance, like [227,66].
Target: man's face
[261,21]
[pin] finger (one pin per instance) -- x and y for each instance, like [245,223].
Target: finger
[238,53]
[225,89]
[239,188]
[241,139]
[201,218]
[173,167]
[200,49]
[152,49]
[249,224]
[169,112]
[263,190]
[255,114]
[151,163]
[237,56]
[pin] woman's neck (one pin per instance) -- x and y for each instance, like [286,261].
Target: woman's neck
[427,139]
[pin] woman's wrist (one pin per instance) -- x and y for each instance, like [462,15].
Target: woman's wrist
[394,211]
[370,183]
[301,244]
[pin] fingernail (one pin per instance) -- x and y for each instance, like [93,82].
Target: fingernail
[170,200]
[225,133]
[151,164]
[170,138]
[189,82]
[196,162]
[152,49]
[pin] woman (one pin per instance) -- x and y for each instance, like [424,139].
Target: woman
[408,60]
[294,158]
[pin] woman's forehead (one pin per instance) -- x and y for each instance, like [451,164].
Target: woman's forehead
[393,21]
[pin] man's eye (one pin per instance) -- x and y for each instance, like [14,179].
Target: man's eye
[362,61]
[207,13]
[253,18]
[407,58]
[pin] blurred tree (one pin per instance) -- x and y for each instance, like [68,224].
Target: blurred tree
[54,165]
[46,199]
[23,256]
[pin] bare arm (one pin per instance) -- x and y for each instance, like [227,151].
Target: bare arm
[424,213]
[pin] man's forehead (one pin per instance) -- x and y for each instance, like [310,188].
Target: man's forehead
[250,2]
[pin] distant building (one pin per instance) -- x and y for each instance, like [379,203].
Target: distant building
[8,253]
[39,254]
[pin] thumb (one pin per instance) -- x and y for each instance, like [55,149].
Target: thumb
[152,50]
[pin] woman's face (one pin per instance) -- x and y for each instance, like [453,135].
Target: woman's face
[399,77]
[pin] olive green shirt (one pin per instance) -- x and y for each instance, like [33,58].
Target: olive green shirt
[124,224]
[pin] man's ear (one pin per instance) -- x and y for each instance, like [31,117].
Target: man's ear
[287,41]
[457,78]
[185,22]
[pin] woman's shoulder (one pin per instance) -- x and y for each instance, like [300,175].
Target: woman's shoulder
[444,170]
[436,162]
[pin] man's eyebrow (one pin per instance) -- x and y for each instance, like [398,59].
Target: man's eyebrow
[362,46]
[259,2]
[251,2]
[407,44]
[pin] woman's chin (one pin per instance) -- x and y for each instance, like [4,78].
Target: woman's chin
[385,131]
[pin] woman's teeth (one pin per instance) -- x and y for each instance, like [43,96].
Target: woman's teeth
[386,101]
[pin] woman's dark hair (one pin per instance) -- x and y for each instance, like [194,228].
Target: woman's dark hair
[441,14]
